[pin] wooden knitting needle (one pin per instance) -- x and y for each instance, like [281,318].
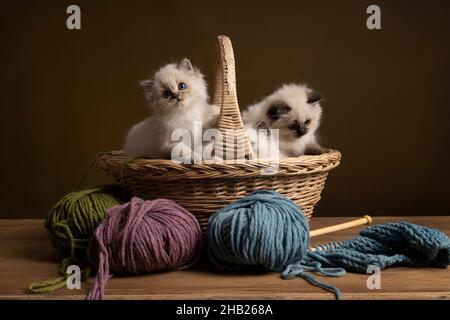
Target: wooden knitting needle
[342,226]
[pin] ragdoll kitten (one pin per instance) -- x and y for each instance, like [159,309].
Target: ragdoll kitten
[294,109]
[177,96]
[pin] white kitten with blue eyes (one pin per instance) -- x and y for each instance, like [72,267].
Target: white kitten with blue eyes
[293,109]
[177,96]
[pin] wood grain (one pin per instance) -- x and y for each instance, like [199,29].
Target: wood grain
[26,256]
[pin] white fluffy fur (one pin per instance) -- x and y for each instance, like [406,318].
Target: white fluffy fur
[296,97]
[151,138]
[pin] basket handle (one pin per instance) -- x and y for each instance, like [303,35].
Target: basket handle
[234,136]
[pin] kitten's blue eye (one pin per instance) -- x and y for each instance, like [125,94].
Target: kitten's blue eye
[182,86]
[166,94]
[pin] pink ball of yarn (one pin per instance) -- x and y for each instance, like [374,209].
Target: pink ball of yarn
[143,236]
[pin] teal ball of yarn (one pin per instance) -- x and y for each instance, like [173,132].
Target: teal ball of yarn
[263,229]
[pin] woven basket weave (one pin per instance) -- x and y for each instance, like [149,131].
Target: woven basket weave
[205,188]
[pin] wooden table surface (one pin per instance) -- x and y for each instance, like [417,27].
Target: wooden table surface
[26,256]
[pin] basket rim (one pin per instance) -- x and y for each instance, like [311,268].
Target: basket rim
[167,169]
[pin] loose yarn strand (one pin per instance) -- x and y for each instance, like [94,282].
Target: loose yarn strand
[328,287]
[86,172]
[48,286]
[59,282]
[97,292]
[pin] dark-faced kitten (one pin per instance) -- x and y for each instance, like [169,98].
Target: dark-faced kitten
[294,109]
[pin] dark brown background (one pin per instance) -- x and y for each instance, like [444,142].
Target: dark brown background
[66,95]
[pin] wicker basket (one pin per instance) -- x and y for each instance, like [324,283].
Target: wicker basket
[205,188]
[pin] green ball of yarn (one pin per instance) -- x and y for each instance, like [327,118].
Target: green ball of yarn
[72,221]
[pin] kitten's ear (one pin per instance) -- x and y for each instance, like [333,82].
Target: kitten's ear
[185,64]
[147,85]
[314,97]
